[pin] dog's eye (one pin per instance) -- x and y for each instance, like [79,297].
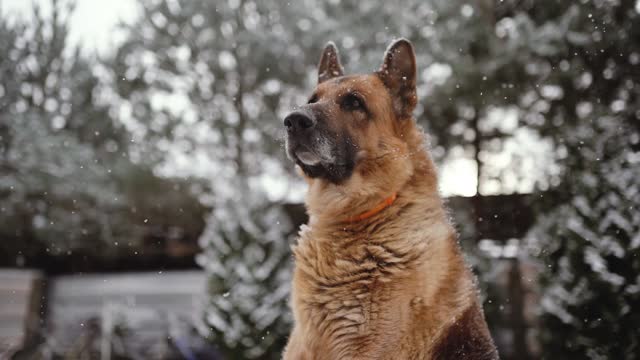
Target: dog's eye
[313,99]
[352,102]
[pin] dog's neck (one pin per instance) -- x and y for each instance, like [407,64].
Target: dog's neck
[374,211]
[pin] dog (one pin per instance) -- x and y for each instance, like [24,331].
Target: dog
[378,270]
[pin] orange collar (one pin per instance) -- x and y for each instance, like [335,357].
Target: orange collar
[378,208]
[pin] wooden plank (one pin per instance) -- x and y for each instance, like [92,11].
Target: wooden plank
[20,301]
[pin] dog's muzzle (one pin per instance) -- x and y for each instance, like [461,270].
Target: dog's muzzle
[301,126]
[318,151]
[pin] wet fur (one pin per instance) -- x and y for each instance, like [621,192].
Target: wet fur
[394,286]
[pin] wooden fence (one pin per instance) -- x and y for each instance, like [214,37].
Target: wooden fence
[21,293]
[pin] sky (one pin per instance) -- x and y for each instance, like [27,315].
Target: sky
[94,28]
[93,24]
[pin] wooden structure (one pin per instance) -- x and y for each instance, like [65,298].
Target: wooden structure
[21,306]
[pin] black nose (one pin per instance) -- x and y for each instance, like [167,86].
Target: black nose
[297,121]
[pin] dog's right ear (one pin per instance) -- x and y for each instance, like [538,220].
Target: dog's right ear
[398,73]
[329,66]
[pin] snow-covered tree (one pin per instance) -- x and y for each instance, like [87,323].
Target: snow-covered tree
[54,189]
[66,181]
[590,248]
[588,243]
[247,256]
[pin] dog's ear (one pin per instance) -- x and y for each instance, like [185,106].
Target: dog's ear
[398,73]
[329,66]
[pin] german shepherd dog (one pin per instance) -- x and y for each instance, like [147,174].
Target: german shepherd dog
[378,270]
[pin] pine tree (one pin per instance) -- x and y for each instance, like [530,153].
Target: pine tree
[590,248]
[55,186]
[248,260]
[588,242]
[66,178]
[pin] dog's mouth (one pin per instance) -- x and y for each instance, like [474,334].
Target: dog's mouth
[317,163]
[307,157]
[314,151]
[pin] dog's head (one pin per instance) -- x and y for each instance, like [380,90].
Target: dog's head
[355,125]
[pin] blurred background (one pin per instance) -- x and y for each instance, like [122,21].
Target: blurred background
[147,207]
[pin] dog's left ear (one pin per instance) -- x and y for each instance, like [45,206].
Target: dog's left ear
[398,73]
[329,66]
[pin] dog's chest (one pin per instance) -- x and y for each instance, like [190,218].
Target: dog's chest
[344,286]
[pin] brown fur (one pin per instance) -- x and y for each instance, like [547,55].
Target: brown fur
[393,286]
